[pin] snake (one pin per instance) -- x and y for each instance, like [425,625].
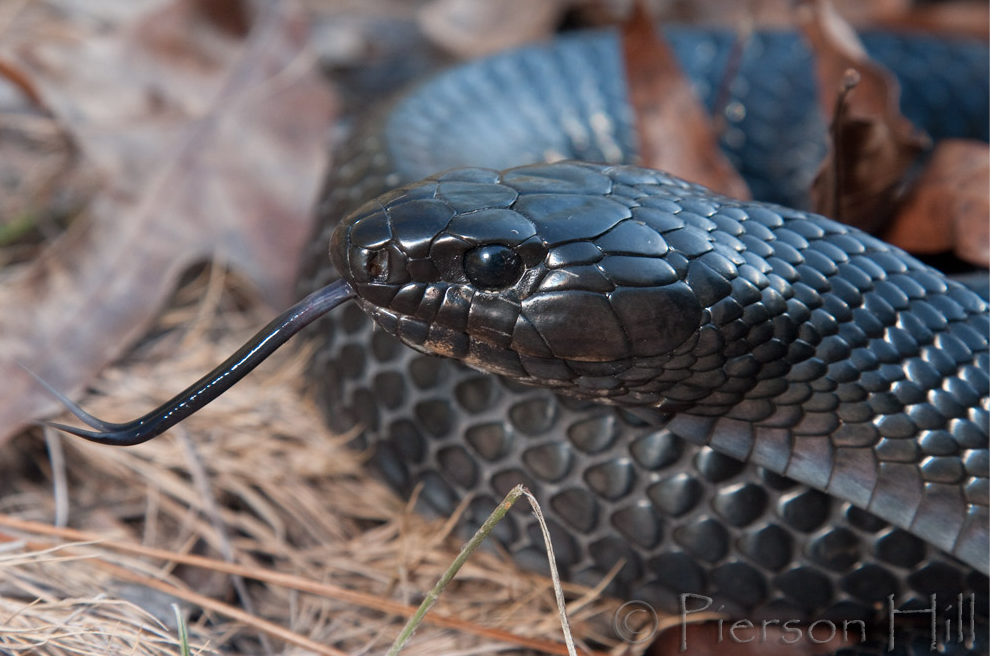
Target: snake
[736,400]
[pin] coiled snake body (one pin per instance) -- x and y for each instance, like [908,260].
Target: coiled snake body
[816,438]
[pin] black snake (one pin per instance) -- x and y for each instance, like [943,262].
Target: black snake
[800,420]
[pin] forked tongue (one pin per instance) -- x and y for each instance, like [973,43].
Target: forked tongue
[213,384]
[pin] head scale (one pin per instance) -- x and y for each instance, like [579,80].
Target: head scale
[556,275]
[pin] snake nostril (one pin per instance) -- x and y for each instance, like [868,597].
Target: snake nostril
[492,267]
[378,266]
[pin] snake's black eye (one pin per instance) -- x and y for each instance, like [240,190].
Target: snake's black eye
[492,267]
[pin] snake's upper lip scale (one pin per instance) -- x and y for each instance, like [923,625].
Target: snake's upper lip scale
[226,374]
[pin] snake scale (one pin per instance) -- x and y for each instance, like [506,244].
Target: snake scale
[735,399]
[677,500]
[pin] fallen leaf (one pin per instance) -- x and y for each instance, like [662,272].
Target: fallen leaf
[472,28]
[675,131]
[209,144]
[729,14]
[732,637]
[872,144]
[948,208]
[958,18]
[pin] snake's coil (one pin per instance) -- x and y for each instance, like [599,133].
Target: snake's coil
[795,349]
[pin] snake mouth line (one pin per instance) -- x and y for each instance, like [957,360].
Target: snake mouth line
[430,337]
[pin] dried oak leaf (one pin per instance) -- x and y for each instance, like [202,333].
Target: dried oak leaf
[209,144]
[730,637]
[948,208]
[675,131]
[872,144]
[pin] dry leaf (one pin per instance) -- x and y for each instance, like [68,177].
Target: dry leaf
[749,638]
[958,18]
[472,28]
[765,14]
[948,208]
[675,131]
[873,145]
[209,143]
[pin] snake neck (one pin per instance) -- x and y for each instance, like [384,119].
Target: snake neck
[839,361]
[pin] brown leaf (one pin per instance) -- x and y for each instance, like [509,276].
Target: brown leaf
[472,28]
[729,14]
[731,637]
[958,18]
[675,131]
[873,145]
[948,208]
[209,144]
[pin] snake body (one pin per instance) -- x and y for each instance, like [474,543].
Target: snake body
[737,399]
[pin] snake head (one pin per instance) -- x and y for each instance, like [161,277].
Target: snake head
[551,274]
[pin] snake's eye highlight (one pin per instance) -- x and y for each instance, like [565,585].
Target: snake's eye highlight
[492,267]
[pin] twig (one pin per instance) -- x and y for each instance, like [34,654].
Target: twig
[850,78]
[723,92]
[60,482]
[208,603]
[554,574]
[455,566]
[210,508]
[472,545]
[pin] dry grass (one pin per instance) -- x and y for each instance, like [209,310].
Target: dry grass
[328,558]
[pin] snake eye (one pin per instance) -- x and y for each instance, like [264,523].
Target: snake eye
[492,267]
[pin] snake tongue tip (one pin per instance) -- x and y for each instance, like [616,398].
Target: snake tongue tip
[68,404]
[72,430]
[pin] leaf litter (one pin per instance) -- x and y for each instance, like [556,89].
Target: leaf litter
[290,496]
[208,149]
[866,178]
[948,207]
[872,144]
[675,132]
